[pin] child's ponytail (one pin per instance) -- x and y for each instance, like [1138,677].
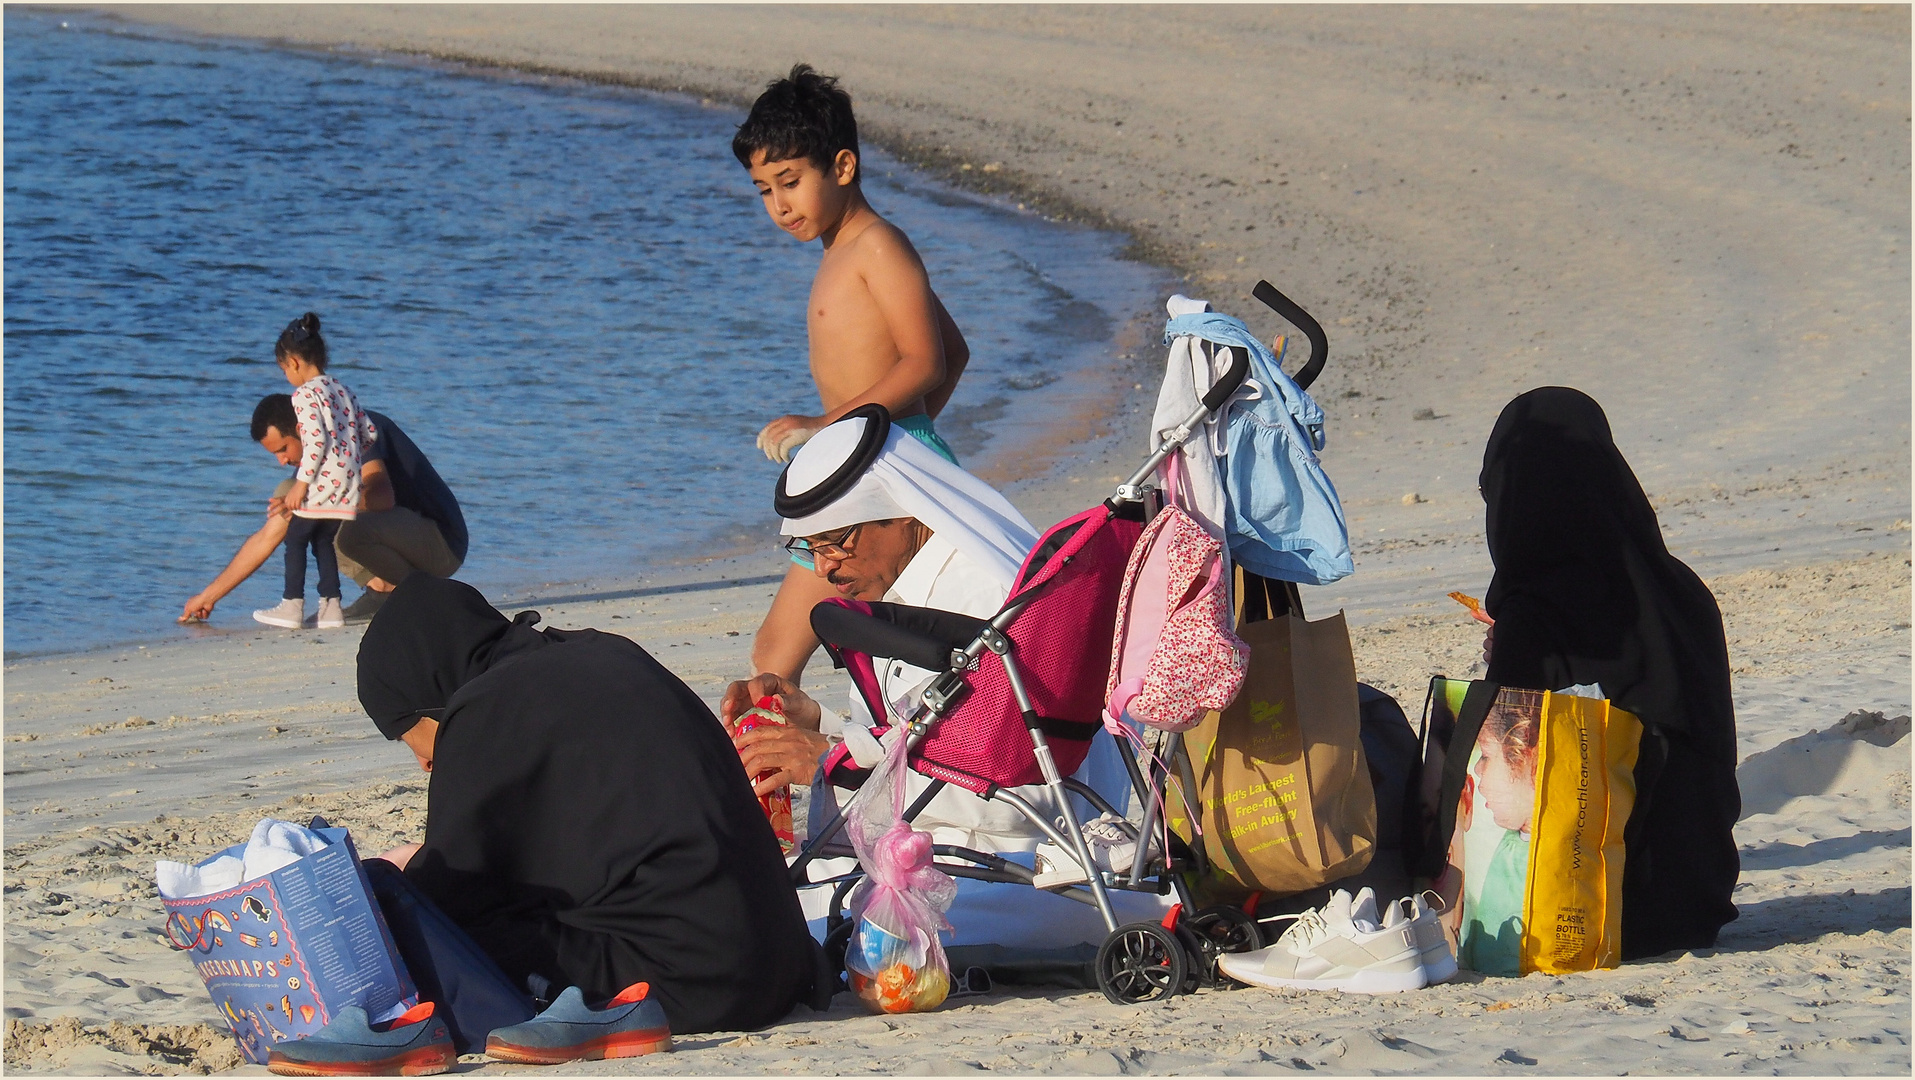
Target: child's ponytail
[301,340]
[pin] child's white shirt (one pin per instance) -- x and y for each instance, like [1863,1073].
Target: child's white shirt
[334,433]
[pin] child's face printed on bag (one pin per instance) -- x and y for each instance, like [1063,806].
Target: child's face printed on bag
[1509,794]
[803,197]
[1506,767]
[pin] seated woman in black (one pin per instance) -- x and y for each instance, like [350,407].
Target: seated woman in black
[588,820]
[1586,592]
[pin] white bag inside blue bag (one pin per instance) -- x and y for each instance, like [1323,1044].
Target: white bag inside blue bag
[274,844]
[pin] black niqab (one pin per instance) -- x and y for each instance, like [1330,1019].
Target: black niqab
[429,640]
[1586,592]
[588,820]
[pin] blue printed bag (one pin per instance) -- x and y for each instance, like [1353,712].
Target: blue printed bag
[282,953]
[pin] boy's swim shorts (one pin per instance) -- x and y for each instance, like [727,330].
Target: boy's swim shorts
[920,428]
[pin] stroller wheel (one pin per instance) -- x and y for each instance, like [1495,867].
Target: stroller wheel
[1141,962]
[1225,929]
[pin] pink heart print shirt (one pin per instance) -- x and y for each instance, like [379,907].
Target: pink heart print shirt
[334,433]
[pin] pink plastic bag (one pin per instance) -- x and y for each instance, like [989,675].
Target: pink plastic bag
[894,958]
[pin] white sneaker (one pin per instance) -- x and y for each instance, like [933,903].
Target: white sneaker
[1112,848]
[290,614]
[1363,908]
[331,615]
[1439,961]
[1331,949]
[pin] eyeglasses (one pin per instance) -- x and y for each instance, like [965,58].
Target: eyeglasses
[825,545]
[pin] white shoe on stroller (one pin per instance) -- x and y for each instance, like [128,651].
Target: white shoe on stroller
[1112,848]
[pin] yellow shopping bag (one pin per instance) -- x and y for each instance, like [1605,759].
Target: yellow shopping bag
[1536,788]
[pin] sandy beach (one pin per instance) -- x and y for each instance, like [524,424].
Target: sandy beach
[1700,216]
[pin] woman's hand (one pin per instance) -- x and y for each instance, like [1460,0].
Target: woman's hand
[799,709]
[401,855]
[789,755]
[1489,641]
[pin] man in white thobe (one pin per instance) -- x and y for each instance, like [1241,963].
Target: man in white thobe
[885,518]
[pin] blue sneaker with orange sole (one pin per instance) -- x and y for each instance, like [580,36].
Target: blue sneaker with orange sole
[629,1025]
[415,1044]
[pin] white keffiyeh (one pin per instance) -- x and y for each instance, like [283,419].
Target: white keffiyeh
[909,479]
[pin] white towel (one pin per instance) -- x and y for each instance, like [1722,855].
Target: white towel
[275,844]
[1189,373]
[178,881]
[278,843]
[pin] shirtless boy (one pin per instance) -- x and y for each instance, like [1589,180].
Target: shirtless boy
[876,330]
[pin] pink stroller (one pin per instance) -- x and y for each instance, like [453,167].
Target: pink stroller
[1017,704]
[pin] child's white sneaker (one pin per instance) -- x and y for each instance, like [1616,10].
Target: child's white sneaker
[331,615]
[290,614]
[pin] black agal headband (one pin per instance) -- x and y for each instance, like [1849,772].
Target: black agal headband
[877,429]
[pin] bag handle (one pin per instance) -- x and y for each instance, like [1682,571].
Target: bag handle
[198,927]
[1469,722]
[1174,480]
[1260,598]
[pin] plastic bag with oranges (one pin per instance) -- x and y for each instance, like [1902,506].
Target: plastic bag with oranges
[894,958]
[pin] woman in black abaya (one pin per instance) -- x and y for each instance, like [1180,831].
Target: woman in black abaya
[588,820]
[1586,592]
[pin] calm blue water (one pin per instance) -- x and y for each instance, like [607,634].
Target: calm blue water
[567,295]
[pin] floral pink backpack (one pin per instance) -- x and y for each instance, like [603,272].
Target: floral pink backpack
[1174,656]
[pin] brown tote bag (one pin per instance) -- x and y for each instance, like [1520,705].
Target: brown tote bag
[1282,789]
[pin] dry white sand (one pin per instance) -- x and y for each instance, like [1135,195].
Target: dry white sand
[1700,216]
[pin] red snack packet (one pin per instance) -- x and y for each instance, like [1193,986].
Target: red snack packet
[777,805]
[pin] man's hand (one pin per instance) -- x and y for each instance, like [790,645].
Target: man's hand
[800,711]
[295,497]
[276,508]
[783,436]
[198,609]
[789,754]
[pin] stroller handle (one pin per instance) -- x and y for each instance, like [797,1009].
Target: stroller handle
[1289,309]
[1132,490]
[1233,378]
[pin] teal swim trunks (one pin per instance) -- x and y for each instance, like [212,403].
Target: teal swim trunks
[920,429]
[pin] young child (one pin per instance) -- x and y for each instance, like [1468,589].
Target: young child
[334,432]
[877,332]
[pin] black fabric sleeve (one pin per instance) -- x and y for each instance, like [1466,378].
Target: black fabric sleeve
[1525,649]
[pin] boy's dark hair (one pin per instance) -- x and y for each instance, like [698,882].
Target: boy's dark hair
[274,410]
[301,339]
[804,114]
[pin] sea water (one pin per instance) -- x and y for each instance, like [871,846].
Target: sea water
[567,294]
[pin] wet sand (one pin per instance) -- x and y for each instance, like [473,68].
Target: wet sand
[1700,216]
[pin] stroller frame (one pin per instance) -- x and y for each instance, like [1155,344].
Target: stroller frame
[1138,962]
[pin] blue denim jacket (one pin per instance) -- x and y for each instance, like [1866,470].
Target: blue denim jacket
[1284,520]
